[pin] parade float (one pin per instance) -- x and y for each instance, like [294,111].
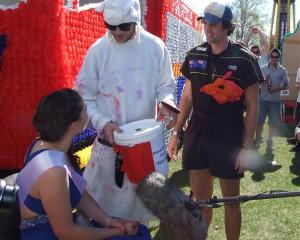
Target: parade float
[287,38]
[290,46]
[42,45]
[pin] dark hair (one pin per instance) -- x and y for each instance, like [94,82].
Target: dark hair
[54,114]
[275,50]
[254,46]
[229,26]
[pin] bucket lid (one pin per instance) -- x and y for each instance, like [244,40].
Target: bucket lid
[138,132]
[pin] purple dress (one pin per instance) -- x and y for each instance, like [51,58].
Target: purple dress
[39,227]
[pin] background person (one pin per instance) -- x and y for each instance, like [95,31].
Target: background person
[293,140]
[124,74]
[297,85]
[262,54]
[217,138]
[50,185]
[297,132]
[276,79]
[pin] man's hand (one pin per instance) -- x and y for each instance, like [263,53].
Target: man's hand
[108,131]
[271,89]
[240,162]
[248,160]
[173,147]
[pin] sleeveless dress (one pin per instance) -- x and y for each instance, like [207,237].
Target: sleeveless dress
[38,228]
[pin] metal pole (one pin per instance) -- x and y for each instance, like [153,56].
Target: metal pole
[239,199]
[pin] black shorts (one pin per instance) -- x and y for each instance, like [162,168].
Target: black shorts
[213,144]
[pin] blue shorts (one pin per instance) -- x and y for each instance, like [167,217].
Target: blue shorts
[270,109]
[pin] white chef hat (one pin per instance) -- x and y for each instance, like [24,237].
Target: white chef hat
[116,12]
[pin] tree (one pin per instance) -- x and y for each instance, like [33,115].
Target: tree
[249,13]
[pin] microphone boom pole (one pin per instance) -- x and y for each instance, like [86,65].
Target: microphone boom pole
[214,202]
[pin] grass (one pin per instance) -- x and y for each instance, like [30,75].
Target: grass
[262,219]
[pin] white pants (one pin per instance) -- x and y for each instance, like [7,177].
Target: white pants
[117,202]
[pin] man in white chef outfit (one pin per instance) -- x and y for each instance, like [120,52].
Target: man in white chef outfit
[124,75]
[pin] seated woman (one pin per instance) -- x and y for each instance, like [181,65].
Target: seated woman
[50,186]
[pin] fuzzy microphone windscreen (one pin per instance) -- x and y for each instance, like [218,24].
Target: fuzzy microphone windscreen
[167,202]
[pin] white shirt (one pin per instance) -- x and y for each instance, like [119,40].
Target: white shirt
[262,60]
[123,82]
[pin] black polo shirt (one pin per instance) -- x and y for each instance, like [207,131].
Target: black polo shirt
[201,67]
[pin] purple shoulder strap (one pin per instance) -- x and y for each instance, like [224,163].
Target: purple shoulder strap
[41,163]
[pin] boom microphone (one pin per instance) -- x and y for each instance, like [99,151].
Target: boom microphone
[167,202]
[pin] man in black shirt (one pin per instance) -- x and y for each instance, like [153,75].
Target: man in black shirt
[221,78]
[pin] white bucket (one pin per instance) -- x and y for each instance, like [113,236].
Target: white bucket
[139,143]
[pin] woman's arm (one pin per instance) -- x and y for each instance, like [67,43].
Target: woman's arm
[248,37]
[263,39]
[91,209]
[53,187]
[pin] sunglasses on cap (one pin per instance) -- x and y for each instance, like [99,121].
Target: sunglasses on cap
[272,56]
[122,27]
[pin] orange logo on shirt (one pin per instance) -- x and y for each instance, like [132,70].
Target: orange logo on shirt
[223,90]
